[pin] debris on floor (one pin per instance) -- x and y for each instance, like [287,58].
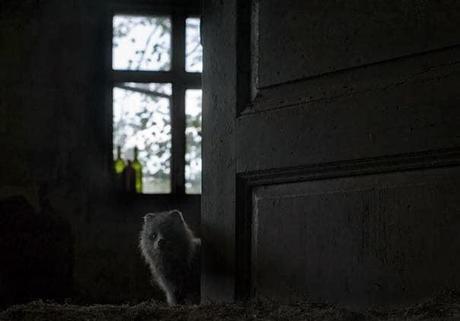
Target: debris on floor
[445,307]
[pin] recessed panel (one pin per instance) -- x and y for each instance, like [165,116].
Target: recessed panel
[298,39]
[384,238]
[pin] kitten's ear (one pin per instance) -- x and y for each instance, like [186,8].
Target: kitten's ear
[177,215]
[148,216]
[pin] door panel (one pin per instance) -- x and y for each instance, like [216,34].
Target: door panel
[410,117]
[331,149]
[299,39]
[362,240]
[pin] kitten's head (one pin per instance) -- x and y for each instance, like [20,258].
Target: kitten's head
[161,230]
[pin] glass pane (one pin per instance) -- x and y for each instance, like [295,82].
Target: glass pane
[194,51]
[142,119]
[141,43]
[193,141]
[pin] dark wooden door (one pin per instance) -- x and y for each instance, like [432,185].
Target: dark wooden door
[331,146]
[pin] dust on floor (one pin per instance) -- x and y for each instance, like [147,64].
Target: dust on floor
[445,307]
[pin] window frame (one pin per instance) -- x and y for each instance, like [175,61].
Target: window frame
[177,76]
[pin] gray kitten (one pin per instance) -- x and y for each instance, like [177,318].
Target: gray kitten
[172,253]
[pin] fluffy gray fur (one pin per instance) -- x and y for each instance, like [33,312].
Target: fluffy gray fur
[170,249]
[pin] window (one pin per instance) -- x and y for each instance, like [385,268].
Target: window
[156,90]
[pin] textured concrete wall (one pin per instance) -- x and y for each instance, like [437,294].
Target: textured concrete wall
[53,147]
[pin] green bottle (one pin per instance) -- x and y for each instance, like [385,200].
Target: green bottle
[119,163]
[129,178]
[138,171]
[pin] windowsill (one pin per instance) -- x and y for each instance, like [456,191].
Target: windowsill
[151,197]
[131,207]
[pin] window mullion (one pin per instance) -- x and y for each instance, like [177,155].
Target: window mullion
[119,76]
[178,105]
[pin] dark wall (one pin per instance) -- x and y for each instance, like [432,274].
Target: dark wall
[54,147]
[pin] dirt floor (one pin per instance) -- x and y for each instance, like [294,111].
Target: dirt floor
[444,307]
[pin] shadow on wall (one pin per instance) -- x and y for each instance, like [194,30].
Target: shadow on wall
[36,253]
